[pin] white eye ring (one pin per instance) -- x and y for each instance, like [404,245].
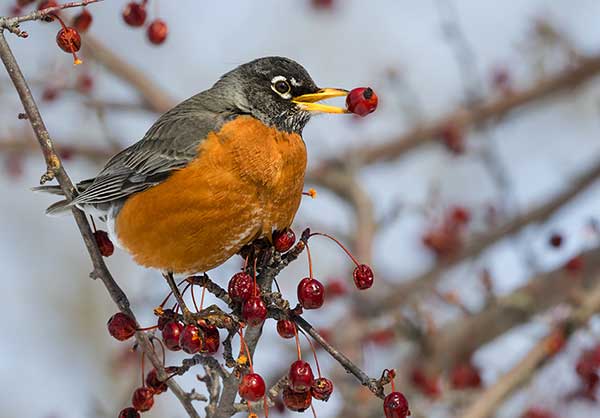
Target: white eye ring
[280,85]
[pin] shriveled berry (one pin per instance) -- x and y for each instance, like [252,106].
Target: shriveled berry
[395,405]
[170,335]
[83,21]
[240,287]
[105,245]
[190,340]
[363,276]
[284,240]
[142,399]
[300,376]
[254,311]
[212,338]
[361,101]
[321,389]
[296,401]
[121,326]
[167,315]
[286,328]
[68,40]
[311,293]
[129,413]
[157,31]
[134,14]
[155,383]
[252,387]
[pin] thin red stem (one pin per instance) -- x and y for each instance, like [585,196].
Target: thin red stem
[147,328]
[310,270]
[245,347]
[170,293]
[323,234]
[297,342]
[312,347]
[162,347]
[255,284]
[143,373]
[312,408]
[266,404]
[194,300]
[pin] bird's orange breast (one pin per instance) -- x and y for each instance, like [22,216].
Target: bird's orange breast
[246,182]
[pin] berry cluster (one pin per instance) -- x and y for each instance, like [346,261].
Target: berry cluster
[135,14]
[447,237]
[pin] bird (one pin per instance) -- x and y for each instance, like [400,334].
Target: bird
[214,173]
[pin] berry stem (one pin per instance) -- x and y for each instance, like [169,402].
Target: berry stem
[143,373]
[162,347]
[323,234]
[170,293]
[266,406]
[255,284]
[202,297]
[312,347]
[147,328]
[245,347]
[310,270]
[194,300]
[312,408]
[297,342]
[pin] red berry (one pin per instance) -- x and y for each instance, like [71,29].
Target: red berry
[538,413]
[190,340]
[129,413]
[395,405]
[240,287]
[460,215]
[429,385]
[284,240]
[254,311]
[212,338]
[300,376]
[134,14]
[296,401]
[68,40]
[157,31]
[167,315]
[82,21]
[252,387]
[465,376]
[556,240]
[311,293]
[363,277]
[142,399]
[286,328]
[321,389]
[335,288]
[155,383]
[50,94]
[85,83]
[121,326]
[361,101]
[104,243]
[170,335]
[575,264]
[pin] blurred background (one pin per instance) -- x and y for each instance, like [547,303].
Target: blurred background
[472,191]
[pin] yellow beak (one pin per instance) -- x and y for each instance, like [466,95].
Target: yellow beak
[308,101]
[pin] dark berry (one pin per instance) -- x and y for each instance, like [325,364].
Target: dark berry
[395,405]
[254,311]
[190,340]
[240,287]
[300,376]
[155,383]
[121,326]
[134,14]
[311,293]
[321,389]
[284,240]
[556,240]
[465,376]
[105,245]
[170,335]
[142,399]
[129,413]
[252,387]
[167,315]
[296,401]
[363,276]
[157,31]
[286,328]
[212,338]
[361,101]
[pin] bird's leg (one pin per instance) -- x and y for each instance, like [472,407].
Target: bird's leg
[187,315]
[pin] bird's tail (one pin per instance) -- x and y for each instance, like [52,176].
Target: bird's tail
[61,206]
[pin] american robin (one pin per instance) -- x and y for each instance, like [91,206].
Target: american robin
[219,170]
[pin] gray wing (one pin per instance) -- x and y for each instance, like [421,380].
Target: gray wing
[170,144]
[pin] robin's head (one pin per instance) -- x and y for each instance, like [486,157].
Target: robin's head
[276,90]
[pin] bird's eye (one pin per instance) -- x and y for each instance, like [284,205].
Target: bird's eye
[282,87]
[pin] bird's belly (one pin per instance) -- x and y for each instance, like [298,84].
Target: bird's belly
[234,192]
